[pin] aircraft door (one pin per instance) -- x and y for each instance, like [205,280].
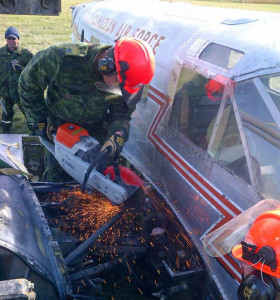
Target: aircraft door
[208,151]
[204,130]
[187,132]
[203,116]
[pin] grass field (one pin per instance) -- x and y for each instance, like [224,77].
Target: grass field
[249,6]
[39,32]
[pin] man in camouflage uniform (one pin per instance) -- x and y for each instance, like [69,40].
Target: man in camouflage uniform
[13,59]
[71,72]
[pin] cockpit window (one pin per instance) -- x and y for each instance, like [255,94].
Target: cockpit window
[274,83]
[195,106]
[262,131]
[226,147]
[221,56]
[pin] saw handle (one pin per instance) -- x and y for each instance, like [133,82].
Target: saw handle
[92,165]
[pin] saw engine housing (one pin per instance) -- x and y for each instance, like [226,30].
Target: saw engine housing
[74,150]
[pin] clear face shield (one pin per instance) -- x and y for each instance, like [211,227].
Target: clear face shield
[109,88]
[222,240]
[244,238]
[116,89]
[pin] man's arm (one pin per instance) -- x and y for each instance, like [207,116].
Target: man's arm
[118,129]
[119,117]
[33,81]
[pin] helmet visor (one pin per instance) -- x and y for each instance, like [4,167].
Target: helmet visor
[222,240]
[131,99]
[109,88]
[116,89]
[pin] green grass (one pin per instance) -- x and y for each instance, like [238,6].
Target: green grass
[248,6]
[39,32]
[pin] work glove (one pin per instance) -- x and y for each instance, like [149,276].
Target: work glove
[114,144]
[16,66]
[40,129]
[51,129]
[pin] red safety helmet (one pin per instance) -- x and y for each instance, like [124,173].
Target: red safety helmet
[135,65]
[215,88]
[261,247]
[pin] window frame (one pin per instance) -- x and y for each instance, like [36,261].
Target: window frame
[227,94]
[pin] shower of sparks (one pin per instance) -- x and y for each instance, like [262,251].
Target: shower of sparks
[181,239]
[81,215]
[88,213]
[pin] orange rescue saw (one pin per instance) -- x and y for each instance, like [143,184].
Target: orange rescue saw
[79,154]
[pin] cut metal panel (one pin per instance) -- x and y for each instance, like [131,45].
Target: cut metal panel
[25,232]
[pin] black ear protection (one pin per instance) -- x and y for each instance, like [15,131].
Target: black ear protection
[266,255]
[256,286]
[106,65]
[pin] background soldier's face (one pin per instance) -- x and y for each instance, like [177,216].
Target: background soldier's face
[12,43]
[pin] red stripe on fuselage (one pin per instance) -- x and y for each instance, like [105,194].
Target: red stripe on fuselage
[162,100]
[233,264]
[152,135]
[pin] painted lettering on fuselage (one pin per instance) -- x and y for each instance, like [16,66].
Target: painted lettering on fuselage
[107,25]
[153,39]
[111,26]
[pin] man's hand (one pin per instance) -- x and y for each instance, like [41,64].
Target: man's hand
[40,129]
[51,129]
[115,144]
[16,66]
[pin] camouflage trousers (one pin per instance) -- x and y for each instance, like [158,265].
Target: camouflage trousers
[53,171]
[7,118]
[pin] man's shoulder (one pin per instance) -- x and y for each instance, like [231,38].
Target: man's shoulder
[73,49]
[24,51]
[27,52]
[3,50]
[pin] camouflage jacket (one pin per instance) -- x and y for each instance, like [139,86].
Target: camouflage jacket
[66,71]
[8,76]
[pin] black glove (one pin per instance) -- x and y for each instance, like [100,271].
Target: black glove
[51,129]
[115,144]
[40,129]
[16,66]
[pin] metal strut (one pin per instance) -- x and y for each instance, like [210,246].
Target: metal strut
[89,242]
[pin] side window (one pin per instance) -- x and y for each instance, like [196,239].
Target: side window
[221,56]
[197,114]
[262,132]
[195,106]
[226,147]
[274,83]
